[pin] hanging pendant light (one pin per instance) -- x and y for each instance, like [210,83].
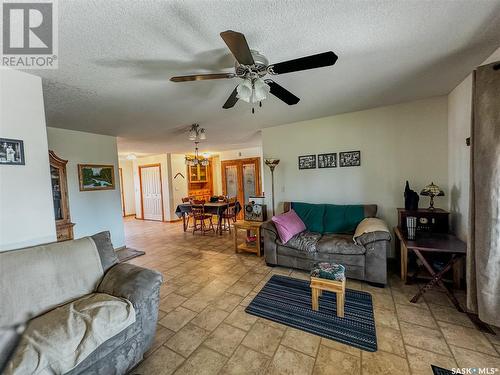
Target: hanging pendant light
[196,159]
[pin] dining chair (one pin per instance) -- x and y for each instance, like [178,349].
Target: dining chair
[200,217]
[229,214]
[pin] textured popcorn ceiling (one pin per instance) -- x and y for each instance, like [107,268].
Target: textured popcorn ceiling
[116,56]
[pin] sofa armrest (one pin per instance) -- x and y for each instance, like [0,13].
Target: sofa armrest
[140,286]
[367,238]
[128,281]
[370,230]
[270,235]
[376,261]
[270,228]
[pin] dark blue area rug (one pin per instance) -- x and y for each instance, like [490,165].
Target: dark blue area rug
[288,301]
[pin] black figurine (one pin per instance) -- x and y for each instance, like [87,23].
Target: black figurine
[411,198]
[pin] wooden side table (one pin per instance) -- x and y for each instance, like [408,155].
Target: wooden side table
[337,287]
[432,243]
[248,226]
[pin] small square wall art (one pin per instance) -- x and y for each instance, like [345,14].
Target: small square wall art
[350,159]
[307,162]
[327,160]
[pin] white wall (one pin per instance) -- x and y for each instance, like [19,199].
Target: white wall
[128,186]
[91,211]
[401,142]
[251,152]
[459,126]
[178,186]
[26,207]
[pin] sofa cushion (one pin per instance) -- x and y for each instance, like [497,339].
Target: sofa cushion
[305,241]
[311,214]
[342,218]
[57,341]
[106,250]
[288,224]
[301,258]
[36,279]
[339,244]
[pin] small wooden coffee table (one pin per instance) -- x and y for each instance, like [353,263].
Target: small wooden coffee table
[248,226]
[338,287]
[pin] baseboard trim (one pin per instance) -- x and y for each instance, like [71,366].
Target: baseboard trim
[173,221]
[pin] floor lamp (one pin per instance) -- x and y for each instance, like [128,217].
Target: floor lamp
[272,163]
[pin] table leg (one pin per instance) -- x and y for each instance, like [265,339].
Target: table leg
[219,223]
[437,280]
[457,273]
[236,240]
[184,224]
[404,261]
[258,243]
[340,304]
[314,299]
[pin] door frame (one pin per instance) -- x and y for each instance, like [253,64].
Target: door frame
[161,190]
[239,165]
[120,172]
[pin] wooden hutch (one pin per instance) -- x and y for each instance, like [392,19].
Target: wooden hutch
[200,181]
[64,226]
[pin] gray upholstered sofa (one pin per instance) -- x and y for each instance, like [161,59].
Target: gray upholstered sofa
[329,238]
[88,313]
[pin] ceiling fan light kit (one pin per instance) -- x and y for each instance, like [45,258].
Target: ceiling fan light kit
[252,90]
[251,66]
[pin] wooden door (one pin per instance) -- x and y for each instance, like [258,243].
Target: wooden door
[151,192]
[241,179]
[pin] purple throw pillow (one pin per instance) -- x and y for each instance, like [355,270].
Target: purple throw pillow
[288,225]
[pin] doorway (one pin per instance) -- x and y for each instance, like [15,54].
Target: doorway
[121,191]
[241,178]
[151,192]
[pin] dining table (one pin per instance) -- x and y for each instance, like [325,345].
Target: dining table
[214,208]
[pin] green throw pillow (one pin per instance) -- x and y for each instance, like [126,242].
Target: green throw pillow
[311,215]
[343,218]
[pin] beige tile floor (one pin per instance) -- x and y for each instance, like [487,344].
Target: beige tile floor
[203,328]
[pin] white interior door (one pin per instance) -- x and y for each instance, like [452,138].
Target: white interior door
[151,193]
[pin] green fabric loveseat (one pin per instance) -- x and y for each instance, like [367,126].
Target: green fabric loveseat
[329,238]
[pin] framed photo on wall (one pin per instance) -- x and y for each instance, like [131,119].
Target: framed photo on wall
[350,159]
[307,162]
[327,160]
[93,177]
[11,151]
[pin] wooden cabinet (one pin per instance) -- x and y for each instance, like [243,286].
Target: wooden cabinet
[199,173]
[200,184]
[64,226]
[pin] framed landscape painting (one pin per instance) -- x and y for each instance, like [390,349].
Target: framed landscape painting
[95,177]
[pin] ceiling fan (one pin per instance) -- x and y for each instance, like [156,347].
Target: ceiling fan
[251,66]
